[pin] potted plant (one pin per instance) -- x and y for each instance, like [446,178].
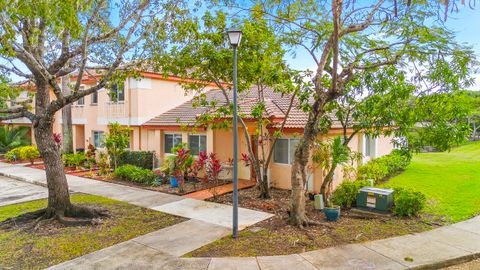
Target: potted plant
[179,166]
[332,212]
[168,168]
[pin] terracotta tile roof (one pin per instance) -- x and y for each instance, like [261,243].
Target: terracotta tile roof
[276,104]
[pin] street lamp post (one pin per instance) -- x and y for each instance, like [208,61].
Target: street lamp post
[235,36]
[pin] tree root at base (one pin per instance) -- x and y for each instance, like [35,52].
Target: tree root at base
[303,222]
[75,215]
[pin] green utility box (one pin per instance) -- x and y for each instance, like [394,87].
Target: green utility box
[375,199]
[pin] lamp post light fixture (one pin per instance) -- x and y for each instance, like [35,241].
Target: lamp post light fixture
[235,36]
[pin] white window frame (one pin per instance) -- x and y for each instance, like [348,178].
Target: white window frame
[81,101]
[173,141]
[116,94]
[289,159]
[91,98]
[198,138]
[375,142]
[101,132]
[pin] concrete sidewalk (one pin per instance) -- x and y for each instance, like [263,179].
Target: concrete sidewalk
[13,191]
[215,213]
[161,249]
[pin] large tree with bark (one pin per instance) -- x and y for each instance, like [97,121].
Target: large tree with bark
[42,41]
[348,38]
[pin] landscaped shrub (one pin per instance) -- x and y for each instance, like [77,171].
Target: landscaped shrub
[408,202]
[346,194]
[13,137]
[135,174]
[116,141]
[179,165]
[103,164]
[29,153]
[142,159]
[23,153]
[74,160]
[13,154]
[382,167]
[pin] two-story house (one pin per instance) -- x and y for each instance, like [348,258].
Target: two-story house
[131,104]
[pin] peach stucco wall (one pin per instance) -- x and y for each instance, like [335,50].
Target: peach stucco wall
[145,98]
[220,141]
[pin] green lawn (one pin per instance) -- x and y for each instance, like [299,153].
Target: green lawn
[53,243]
[450,180]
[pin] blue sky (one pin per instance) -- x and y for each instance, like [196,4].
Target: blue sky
[465,23]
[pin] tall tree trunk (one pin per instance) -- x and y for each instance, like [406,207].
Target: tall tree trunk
[67,128]
[263,184]
[59,204]
[299,176]
[58,194]
[299,166]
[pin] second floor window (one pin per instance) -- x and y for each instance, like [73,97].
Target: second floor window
[170,141]
[197,144]
[94,98]
[117,93]
[81,101]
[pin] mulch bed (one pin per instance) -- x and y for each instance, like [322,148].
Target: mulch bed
[276,236]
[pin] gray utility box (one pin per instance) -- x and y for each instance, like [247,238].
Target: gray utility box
[375,199]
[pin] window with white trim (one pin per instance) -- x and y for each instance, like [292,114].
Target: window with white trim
[117,93]
[98,138]
[94,98]
[369,147]
[285,150]
[197,144]
[81,101]
[170,141]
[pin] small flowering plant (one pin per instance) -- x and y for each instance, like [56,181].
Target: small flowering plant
[57,137]
[213,168]
[245,159]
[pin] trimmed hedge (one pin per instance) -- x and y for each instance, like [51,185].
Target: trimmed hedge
[345,195]
[382,167]
[142,159]
[135,174]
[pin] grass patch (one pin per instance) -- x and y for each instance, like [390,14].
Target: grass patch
[54,243]
[449,180]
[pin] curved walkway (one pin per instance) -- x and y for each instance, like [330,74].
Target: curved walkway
[209,221]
